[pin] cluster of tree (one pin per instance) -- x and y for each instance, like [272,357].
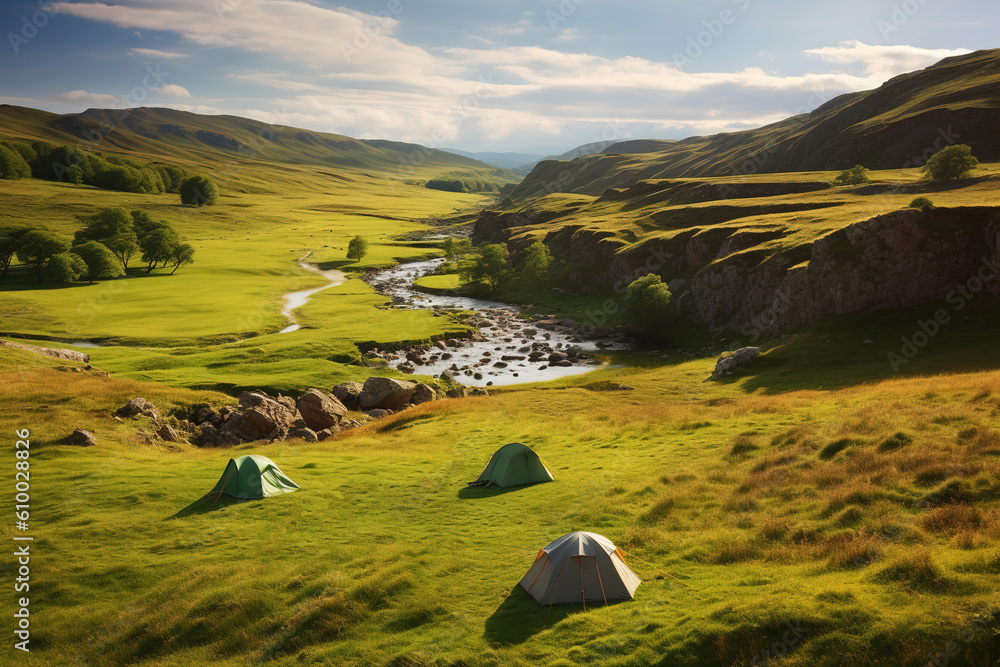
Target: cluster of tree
[109,240]
[491,264]
[20,159]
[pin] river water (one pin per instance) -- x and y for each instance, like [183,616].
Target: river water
[298,299]
[503,333]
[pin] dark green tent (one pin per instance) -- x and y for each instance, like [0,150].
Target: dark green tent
[511,465]
[254,477]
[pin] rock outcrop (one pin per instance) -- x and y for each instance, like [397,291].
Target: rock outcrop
[320,410]
[730,361]
[348,393]
[385,393]
[82,438]
[138,407]
[262,418]
[71,355]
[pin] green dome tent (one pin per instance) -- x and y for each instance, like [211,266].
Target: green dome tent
[511,465]
[253,477]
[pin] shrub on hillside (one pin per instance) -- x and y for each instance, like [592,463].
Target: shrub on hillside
[856,175]
[647,302]
[923,203]
[951,162]
[198,191]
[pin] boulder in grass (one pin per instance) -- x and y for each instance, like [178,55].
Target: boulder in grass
[167,433]
[327,433]
[729,362]
[424,394]
[262,417]
[320,410]
[306,434]
[138,407]
[82,438]
[385,393]
[348,393]
[379,413]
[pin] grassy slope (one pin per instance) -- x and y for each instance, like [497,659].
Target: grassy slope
[729,494]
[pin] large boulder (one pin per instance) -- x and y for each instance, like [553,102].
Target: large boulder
[82,438]
[138,407]
[320,410]
[348,393]
[728,363]
[385,393]
[262,417]
[306,434]
[423,394]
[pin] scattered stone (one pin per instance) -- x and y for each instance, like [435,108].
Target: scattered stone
[328,433]
[379,413]
[306,434]
[441,345]
[138,407]
[167,433]
[82,438]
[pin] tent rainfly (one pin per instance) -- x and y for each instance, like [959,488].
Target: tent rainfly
[580,567]
[511,465]
[253,477]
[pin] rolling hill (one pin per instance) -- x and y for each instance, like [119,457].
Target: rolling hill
[896,125]
[185,137]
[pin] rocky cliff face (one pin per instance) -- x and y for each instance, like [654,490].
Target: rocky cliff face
[902,259]
[729,281]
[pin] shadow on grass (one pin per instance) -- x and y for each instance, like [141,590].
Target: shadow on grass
[475,492]
[207,503]
[520,617]
[336,264]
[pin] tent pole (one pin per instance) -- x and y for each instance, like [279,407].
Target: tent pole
[601,581]
[223,489]
[583,589]
[554,593]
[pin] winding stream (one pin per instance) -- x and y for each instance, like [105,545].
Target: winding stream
[501,356]
[294,300]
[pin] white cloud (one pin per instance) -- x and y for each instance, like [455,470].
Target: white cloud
[568,34]
[513,29]
[174,90]
[883,61]
[83,98]
[156,53]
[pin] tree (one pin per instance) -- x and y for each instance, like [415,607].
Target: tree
[37,246]
[923,203]
[158,245]
[489,264]
[951,162]
[357,248]
[100,261]
[115,228]
[536,262]
[183,254]
[65,267]
[12,165]
[646,303]
[10,239]
[856,175]
[198,191]
[449,248]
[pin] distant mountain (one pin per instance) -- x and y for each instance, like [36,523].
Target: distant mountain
[899,124]
[182,136]
[506,160]
[587,149]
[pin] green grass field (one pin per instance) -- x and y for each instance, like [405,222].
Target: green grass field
[816,490]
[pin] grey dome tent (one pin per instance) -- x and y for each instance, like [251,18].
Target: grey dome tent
[580,567]
[253,477]
[511,465]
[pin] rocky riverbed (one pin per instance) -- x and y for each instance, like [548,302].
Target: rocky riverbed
[505,347]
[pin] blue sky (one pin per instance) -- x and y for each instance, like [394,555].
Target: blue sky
[538,76]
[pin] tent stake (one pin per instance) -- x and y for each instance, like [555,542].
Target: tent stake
[223,490]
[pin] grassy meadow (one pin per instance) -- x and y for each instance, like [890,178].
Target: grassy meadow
[815,506]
